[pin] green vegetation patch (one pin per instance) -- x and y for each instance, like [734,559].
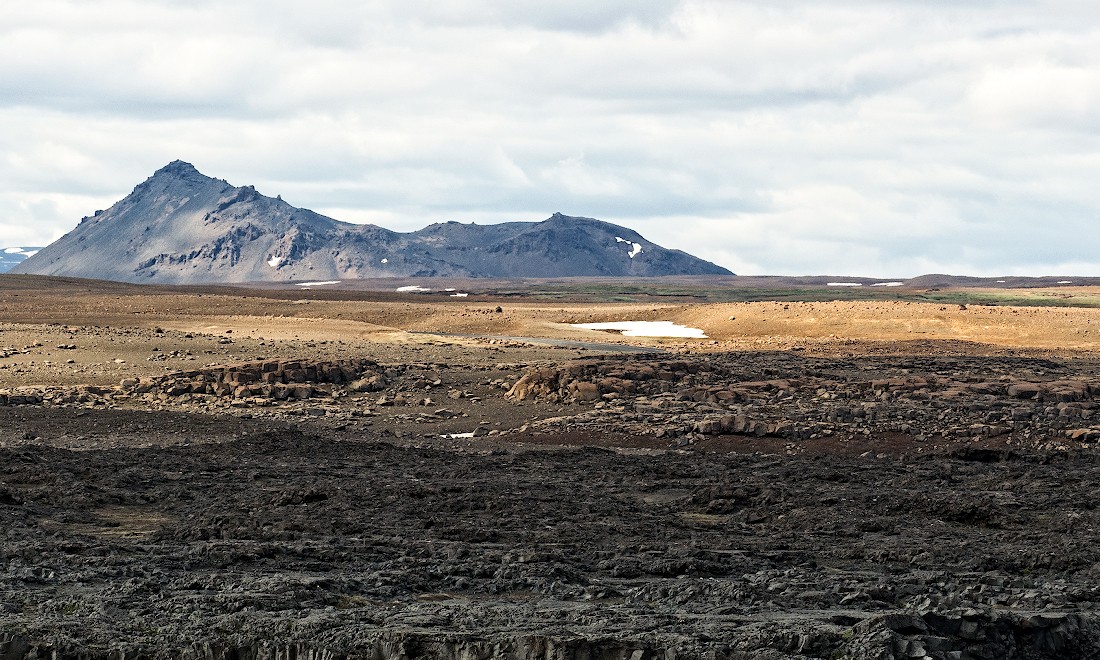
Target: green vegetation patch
[630,292]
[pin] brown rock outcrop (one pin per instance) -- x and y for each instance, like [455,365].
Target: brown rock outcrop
[282,379]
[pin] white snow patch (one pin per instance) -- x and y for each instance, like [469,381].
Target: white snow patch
[13,250]
[385,261]
[318,283]
[646,329]
[30,253]
[1065,282]
[459,295]
[1001,281]
[274,262]
[887,284]
[843,284]
[635,248]
[457,436]
[450,289]
[412,289]
[23,251]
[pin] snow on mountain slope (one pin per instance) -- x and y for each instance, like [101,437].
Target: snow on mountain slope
[13,256]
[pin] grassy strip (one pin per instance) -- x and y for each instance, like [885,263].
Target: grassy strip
[631,293]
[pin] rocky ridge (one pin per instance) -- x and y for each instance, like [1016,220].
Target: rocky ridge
[182,227]
[798,399]
[1007,402]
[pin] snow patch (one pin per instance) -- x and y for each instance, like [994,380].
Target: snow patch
[646,329]
[412,289]
[1065,282]
[459,295]
[385,261]
[318,283]
[1001,281]
[635,248]
[843,284]
[274,262]
[887,284]
[23,251]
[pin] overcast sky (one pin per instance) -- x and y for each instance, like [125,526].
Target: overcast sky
[866,137]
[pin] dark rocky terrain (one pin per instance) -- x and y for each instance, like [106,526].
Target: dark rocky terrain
[215,473]
[291,543]
[182,227]
[871,506]
[1002,399]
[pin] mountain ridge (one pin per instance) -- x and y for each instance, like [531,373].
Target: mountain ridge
[180,226]
[11,257]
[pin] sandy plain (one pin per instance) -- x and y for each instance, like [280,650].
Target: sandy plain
[38,309]
[854,478]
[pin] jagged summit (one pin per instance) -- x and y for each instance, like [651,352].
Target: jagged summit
[182,172]
[181,226]
[177,168]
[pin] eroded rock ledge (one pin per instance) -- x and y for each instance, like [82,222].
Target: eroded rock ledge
[785,396]
[277,379]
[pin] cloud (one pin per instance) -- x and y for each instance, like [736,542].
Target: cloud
[885,137]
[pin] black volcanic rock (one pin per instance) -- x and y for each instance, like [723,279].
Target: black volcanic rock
[180,226]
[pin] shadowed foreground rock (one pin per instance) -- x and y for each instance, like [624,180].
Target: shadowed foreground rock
[328,544]
[889,637]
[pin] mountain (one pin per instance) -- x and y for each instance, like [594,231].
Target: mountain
[13,256]
[182,227]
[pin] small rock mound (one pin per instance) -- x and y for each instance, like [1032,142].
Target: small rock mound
[589,380]
[282,379]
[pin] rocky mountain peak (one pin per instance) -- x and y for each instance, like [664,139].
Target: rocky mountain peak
[176,168]
[179,170]
[180,226]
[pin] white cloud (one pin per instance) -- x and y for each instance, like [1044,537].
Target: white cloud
[1040,95]
[578,178]
[883,137]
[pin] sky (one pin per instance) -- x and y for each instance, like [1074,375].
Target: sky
[885,138]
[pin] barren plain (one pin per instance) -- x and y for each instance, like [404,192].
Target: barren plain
[355,473]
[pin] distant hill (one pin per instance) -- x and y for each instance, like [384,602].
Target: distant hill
[13,256]
[182,227]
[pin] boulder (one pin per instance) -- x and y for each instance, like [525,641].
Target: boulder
[584,391]
[1025,390]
